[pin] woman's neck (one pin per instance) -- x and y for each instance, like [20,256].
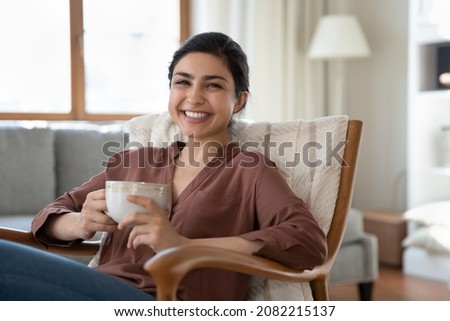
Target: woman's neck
[200,153]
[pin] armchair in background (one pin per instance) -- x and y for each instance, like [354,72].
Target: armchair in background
[357,259]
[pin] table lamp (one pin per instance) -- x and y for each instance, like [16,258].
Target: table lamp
[338,37]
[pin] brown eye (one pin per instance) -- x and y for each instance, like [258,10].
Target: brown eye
[182,82]
[214,85]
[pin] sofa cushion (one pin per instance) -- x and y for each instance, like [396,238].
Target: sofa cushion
[27,163]
[81,151]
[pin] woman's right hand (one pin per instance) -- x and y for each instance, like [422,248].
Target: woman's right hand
[92,217]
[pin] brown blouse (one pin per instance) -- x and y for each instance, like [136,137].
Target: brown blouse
[237,194]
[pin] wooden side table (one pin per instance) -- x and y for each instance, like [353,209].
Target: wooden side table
[390,229]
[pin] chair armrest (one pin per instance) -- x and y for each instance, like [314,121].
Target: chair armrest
[168,267]
[26,238]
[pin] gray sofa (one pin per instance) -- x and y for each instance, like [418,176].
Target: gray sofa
[40,161]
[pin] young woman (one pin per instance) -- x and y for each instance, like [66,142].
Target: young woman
[219,199]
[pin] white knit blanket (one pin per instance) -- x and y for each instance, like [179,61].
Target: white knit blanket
[307,155]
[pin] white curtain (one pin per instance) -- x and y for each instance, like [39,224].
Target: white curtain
[284,83]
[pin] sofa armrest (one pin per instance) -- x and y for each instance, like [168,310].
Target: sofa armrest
[27,238]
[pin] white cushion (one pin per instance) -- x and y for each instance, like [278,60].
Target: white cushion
[433,238]
[437,213]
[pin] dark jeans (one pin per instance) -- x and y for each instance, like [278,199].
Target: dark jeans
[30,274]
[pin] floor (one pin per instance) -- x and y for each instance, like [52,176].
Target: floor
[393,285]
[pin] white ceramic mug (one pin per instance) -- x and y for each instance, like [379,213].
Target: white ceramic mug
[118,191]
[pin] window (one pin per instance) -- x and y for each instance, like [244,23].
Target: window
[89,60]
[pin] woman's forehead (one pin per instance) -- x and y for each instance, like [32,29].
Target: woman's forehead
[200,64]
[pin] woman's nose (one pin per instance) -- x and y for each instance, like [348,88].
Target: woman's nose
[195,96]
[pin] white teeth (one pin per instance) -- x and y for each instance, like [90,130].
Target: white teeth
[195,115]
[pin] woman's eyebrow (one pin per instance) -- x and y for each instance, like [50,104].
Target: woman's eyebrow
[206,77]
[213,77]
[184,74]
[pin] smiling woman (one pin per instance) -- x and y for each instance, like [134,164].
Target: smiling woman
[87,59]
[222,202]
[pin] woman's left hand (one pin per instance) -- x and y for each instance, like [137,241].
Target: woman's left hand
[151,228]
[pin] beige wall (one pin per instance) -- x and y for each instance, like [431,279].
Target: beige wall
[377,94]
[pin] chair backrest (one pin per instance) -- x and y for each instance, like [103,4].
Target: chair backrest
[308,154]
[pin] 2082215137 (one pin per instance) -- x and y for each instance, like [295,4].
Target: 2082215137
[295,310]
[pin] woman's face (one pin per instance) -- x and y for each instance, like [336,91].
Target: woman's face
[202,97]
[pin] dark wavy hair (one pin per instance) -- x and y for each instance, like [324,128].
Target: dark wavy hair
[222,46]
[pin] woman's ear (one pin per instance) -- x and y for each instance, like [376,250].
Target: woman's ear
[241,101]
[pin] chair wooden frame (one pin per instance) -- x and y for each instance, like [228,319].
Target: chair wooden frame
[169,267]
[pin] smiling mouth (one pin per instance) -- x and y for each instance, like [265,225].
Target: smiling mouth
[196,115]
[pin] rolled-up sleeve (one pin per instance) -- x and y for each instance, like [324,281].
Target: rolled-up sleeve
[289,231]
[68,202]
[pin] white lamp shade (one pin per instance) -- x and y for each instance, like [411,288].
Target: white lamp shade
[338,37]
